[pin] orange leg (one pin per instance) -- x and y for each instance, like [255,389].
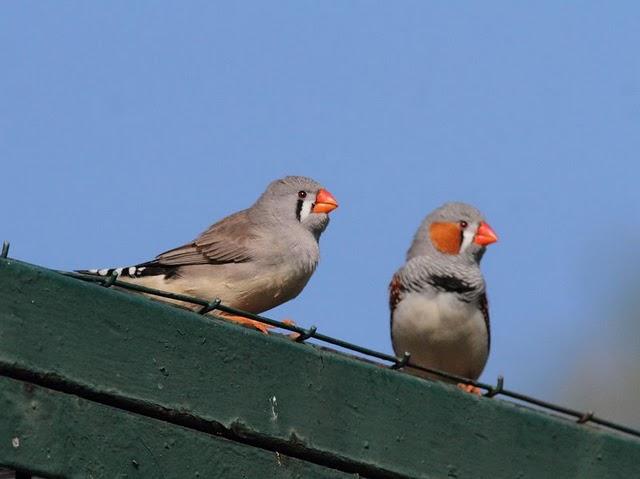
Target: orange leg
[470,388]
[262,327]
[249,323]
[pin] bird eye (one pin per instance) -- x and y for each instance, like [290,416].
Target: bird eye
[302,194]
[464,224]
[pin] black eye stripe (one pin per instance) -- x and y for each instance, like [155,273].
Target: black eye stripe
[299,208]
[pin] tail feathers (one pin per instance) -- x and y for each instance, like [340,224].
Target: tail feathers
[130,272]
[138,271]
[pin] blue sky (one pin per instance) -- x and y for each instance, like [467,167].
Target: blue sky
[127,128]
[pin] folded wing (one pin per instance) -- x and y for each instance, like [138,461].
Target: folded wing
[224,242]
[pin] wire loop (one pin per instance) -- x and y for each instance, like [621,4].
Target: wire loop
[401,362]
[210,307]
[309,333]
[5,249]
[110,280]
[587,416]
[499,387]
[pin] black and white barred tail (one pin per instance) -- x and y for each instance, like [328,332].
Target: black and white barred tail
[129,272]
[139,271]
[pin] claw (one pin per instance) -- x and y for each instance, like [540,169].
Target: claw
[470,388]
[292,335]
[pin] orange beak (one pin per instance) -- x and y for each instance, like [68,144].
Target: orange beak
[325,202]
[485,235]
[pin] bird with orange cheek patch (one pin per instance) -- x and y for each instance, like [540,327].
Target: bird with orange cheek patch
[439,309]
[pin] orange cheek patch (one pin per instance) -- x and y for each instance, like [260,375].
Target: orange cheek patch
[446,237]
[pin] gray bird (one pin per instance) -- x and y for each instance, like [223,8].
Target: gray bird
[254,260]
[439,309]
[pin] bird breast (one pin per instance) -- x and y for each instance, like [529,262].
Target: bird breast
[442,332]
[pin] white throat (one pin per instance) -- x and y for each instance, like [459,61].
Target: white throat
[467,236]
[307,206]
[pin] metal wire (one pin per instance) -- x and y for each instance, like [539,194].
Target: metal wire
[208,306]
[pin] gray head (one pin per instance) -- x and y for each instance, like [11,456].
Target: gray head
[297,200]
[453,229]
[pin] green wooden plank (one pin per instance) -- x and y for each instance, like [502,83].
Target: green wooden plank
[57,434]
[327,406]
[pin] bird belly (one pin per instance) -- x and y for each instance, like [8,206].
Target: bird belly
[257,294]
[441,332]
[236,284]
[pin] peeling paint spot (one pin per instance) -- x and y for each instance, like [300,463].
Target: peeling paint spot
[15,442]
[274,405]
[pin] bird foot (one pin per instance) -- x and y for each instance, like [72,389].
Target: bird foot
[262,327]
[249,323]
[470,388]
[291,335]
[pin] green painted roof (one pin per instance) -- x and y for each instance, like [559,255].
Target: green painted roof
[101,383]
